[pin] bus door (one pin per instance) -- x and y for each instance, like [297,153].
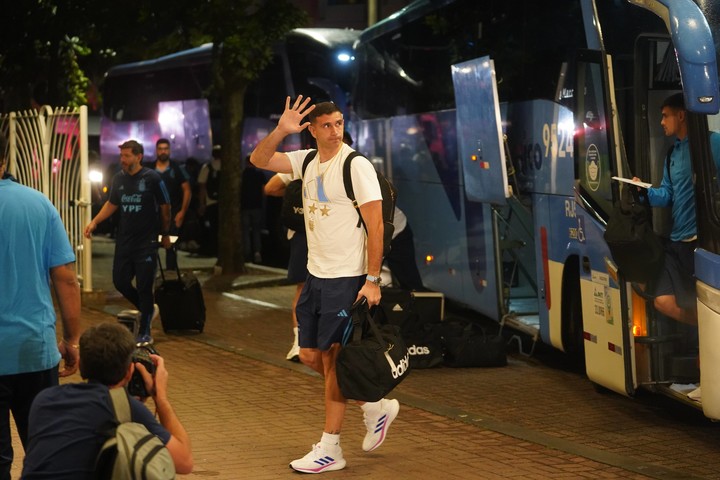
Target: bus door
[695,54]
[609,348]
[498,255]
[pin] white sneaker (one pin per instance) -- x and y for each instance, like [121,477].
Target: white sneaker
[294,353]
[322,458]
[377,425]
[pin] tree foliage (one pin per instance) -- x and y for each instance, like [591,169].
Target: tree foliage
[244,34]
[50,50]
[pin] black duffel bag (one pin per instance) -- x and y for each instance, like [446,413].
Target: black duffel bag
[374,362]
[468,345]
[637,251]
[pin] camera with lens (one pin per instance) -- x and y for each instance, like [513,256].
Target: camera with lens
[136,386]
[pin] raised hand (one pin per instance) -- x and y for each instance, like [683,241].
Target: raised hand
[292,116]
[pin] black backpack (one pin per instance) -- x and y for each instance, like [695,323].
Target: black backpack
[213,183]
[389,194]
[292,213]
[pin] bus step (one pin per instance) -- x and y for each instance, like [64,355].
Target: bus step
[529,325]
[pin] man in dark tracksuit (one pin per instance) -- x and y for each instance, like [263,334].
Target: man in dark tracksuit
[177,182]
[144,205]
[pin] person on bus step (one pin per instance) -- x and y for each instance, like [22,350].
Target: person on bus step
[674,290]
[140,195]
[343,266]
[177,182]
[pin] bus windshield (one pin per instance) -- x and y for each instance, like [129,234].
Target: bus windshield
[172,96]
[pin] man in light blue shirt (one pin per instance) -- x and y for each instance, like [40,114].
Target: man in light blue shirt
[675,289]
[34,249]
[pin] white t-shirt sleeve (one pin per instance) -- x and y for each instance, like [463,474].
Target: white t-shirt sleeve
[296,160]
[365,181]
[286,177]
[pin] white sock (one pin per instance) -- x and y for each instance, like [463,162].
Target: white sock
[295,331]
[372,407]
[330,439]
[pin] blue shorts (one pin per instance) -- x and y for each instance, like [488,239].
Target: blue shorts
[323,310]
[677,277]
[297,267]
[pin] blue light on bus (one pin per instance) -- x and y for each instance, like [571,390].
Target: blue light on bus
[345,57]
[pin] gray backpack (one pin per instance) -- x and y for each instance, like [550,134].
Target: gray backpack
[132,452]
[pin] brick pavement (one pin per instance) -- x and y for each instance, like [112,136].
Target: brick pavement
[249,411]
[248,418]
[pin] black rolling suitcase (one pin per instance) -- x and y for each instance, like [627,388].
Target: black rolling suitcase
[181,302]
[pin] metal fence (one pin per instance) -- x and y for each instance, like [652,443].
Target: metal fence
[48,151]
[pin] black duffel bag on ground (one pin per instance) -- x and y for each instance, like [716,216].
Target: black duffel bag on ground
[421,335]
[468,345]
[374,362]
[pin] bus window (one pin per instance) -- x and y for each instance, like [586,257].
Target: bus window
[593,158]
[408,71]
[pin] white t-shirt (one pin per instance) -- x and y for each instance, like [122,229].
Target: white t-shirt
[399,222]
[205,173]
[336,246]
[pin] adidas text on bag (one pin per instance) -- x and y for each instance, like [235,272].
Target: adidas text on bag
[132,452]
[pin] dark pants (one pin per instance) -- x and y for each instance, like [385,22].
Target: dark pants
[252,223]
[210,237]
[678,275]
[401,261]
[141,266]
[171,253]
[16,395]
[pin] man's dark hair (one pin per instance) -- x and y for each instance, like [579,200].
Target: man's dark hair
[323,108]
[675,101]
[135,146]
[347,138]
[105,353]
[162,140]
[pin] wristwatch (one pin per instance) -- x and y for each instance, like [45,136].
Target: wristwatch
[374,279]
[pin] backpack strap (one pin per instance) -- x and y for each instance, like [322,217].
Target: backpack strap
[308,158]
[347,181]
[121,404]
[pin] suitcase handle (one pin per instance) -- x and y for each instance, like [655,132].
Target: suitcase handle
[162,271]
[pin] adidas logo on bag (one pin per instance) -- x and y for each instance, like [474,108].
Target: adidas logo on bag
[415,350]
[401,368]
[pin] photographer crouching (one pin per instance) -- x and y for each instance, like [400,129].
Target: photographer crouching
[69,423]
